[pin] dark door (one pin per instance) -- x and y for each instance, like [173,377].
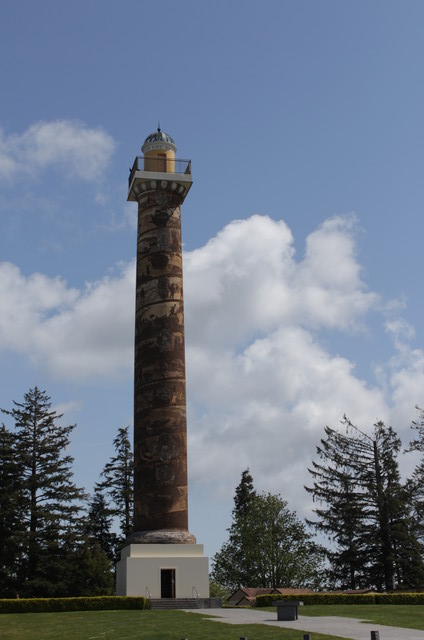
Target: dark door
[167,583]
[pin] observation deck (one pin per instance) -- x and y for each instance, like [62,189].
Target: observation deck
[151,173]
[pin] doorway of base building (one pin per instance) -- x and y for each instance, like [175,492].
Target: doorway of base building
[167,583]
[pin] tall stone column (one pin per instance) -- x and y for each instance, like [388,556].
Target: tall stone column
[160,425]
[161,559]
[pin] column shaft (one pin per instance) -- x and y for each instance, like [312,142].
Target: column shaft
[160,425]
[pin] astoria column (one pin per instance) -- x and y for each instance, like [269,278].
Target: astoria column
[159,183]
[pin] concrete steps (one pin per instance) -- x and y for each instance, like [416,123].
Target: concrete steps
[176,603]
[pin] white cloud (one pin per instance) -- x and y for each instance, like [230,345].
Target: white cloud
[75,334]
[246,280]
[67,408]
[26,303]
[262,383]
[67,145]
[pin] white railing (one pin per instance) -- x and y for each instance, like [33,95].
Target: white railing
[194,592]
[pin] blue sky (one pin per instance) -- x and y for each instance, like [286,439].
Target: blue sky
[302,232]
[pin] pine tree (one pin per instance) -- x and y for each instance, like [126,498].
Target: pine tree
[416,482]
[97,528]
[244,493]
[392,546]
[118,481]
[92,574]
[366,509]
[342,516]
[232,565]
[50,499]
[10,514]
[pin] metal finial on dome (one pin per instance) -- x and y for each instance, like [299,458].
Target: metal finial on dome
[159,138]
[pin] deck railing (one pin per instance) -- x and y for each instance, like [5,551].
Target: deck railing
[160,165]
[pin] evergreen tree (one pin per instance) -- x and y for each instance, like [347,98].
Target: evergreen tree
[417,444]
[91,574]
[342,516]
[416,492]
[366,509]
[382,480]
[97,528]
[232,565]
[416,482]
[391,544]
[10,515]
[50,500]
[118,481]
[244,493]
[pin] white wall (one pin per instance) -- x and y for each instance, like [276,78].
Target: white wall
[140,568]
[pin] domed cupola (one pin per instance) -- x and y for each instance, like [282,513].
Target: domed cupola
[159,152]
[159,166]
[159,140]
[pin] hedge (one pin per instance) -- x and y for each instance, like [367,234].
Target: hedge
[49,605]
[343,598]
[399,598]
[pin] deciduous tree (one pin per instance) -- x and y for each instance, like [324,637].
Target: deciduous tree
[268,546]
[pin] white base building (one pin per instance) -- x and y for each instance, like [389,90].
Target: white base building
[163,571]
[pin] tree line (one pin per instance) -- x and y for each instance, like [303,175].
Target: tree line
[56,540]
[371,522]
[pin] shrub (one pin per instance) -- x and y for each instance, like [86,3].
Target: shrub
[49,605]
[399,598]
[318,598]
[344,598]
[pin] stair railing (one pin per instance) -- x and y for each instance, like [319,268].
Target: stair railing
[194,592]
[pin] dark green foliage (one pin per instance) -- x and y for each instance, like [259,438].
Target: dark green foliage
[244,493]
[98,524]
[399,598]
[11,528]
[416,489]
[49,500]
[417,444]
[341,516]
[218,591]
[416,483]
[267,547]
[118,481]
[50,547]
[91,573]
[365,510]
[268,600]
[394,555]
[49,605]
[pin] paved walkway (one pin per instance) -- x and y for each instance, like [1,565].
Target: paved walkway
[343,627]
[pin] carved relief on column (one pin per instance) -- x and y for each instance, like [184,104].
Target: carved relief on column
[160,425]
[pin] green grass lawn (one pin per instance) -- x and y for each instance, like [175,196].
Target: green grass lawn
[134,625]
[176,625]
[394,615]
